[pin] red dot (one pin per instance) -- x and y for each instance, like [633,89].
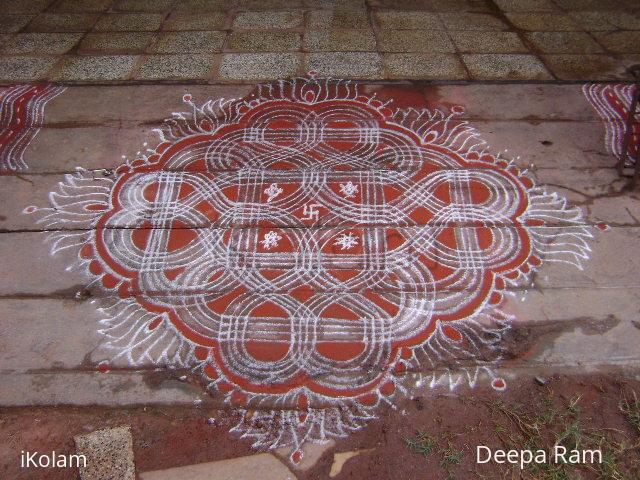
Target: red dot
[499,384]
[296,456]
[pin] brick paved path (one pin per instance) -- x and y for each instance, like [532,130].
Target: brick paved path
[243,41]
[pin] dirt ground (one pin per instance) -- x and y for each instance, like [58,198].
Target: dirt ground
[433,436]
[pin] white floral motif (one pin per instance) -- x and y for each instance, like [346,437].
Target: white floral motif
[273,191]
[348,189]
[270,240]
[346,241]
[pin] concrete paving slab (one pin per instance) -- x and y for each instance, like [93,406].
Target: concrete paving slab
[115,42]
[505,66]
[261,41]
[108,453]
[179,67]
[472,21]
[563,42]
[337,19]
[14,23]
[262,465]
[414,41]
[543,21]
[133,105]
[114,22]
[143,5]
[595,337]
[188,42]
[62,22]
[340,41]
[606,20]
[620,42]
[426,66]
[38,43]
[25,6]
[267,20]
[96,388]
[349,64]
[200,21]
[487,42]
[84,6]
[589,67]
[526,5]
[25,69]
[398,19]
[71,336]
[256,66]
[107,67]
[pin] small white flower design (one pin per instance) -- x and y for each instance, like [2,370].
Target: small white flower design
[346,241]
[349,189]
[270,240]
[273,191]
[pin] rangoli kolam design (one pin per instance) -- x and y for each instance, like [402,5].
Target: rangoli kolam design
[612,102]
[304,248]
[21,117]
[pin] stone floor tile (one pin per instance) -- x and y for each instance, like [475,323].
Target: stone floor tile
[115,42]
[563,42]
[24,6]
[142,5]
[472,21]
[488,42]
[107,67]
[187,67]
[261,41]
[620,42]
[25,68]
[62,22]
[346,64]
[267,4]
[526,5]
[477,6]
[189,42]
[86,6]
[258,66]
[606,20]
[357,19]
[542,21]
[402,4]
[505,67]
[201,21]
[402,20]
[265,20]
[109,454]
[39,43]
[340,40]
[590,4]
[203,6]
[424,66]
[414,41]
[586,67]
[338,4]
[113,22]
[13,23]
[261,465]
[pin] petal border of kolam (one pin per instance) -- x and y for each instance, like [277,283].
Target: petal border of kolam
[140,336]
